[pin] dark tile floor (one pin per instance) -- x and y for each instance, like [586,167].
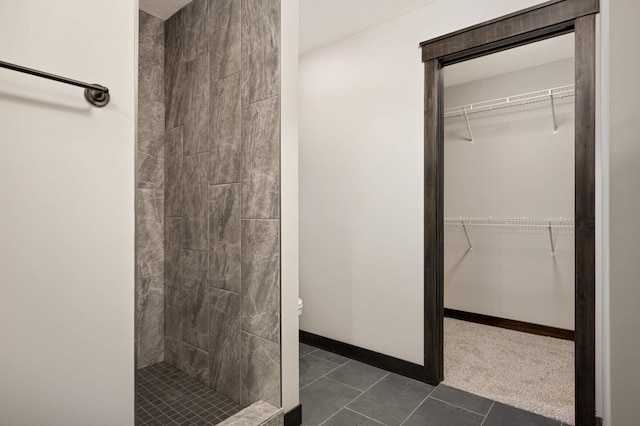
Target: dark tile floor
[338,391]
[167,396]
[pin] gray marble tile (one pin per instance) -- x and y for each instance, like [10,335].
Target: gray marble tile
[173,171]
[173,352]
[195,205]
[277,420]
[392,399]
[305,350]
[261,160]
[174,70]
[195,363]
[196,40]
[322,399]
[173,268]
[196,115]
[256,414]
[312,368]
[224,342]
[502,414]
[462,399]
[357,374]
[330,356]
[151,30]
[150,321]
[225,37]
[150,119]
[150,161]
[224,237]
[437,413]
[261,278]
[226,131]
[173,335]
[346,417]
[260,50]
[260,370]
[195,321]
[150,224]
[150,77]
[172,323]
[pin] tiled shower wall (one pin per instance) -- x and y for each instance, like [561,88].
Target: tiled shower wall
[222,196]
[150,193]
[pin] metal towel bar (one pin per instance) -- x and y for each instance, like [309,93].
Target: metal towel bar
[95,94]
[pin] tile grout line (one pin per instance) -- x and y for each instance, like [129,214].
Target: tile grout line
[326,360]
[488,412]
[418,406]
[308,353]
[260,100]
[362,393]
[457,406]
[338,381]
[360,414]
[323,375]
[166,380]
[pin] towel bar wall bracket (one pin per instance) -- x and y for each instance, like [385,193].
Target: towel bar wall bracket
[97,98]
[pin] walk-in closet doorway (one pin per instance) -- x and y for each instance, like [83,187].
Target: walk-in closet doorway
[538,23]
[509,227]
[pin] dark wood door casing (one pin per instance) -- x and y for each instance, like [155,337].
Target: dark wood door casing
[526,26]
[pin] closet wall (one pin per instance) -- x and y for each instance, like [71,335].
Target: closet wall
[517,167]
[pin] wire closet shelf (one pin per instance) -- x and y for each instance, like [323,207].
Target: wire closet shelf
[552,94]
[524,222]
[518,225]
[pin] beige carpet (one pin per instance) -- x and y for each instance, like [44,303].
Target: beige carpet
[535,373]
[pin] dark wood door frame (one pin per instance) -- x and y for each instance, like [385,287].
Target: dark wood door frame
[533,24]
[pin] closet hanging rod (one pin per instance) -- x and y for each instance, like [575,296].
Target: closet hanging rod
[511,101]
[95,94]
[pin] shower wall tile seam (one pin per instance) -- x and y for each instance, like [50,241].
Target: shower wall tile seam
[196,250]
[194,346]
[193,154]
[224,77]
[224,289]
[241,72]
[260,100]
[259,337]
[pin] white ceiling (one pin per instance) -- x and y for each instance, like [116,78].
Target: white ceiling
[523,57]
[162,9]
[326,21]
[321,21]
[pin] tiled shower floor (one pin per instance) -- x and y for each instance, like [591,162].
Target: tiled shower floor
[167,396]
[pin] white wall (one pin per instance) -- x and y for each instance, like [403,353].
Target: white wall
[67,216]
[289,190]
[517,167]
[623,61]
[361,171]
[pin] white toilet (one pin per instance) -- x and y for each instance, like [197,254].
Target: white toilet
[299,307]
